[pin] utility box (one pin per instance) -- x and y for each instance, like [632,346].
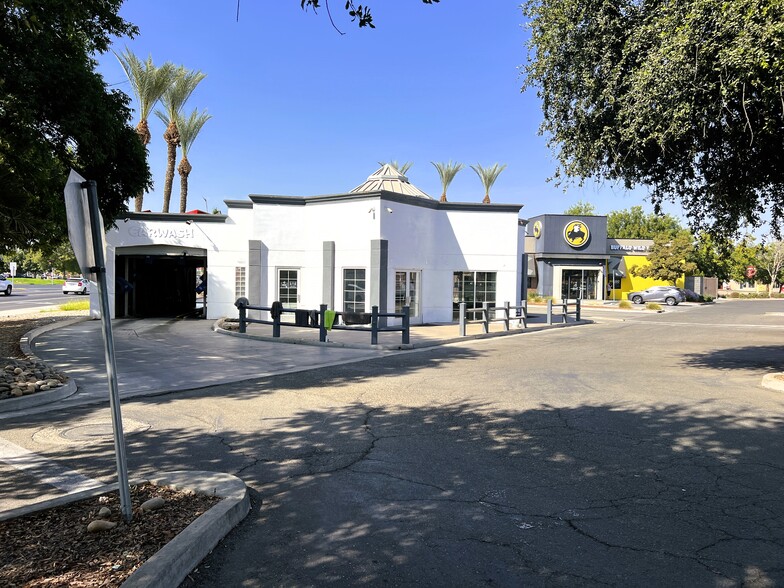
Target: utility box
[705,287]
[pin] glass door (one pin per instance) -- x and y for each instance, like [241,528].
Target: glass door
[407,292]
[578,283]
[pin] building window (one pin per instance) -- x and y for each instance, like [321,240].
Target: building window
[353,290]
[239,282]
[288,287]
[473,288]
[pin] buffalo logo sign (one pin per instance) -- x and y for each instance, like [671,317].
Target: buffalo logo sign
[538,229]
[576,234]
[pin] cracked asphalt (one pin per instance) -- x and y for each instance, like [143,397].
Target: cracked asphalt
[638,451]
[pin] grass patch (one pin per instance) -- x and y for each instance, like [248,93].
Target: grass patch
[75,305]
[624,304]
[653,306]
[36,282]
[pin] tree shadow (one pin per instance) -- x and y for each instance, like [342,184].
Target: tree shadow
[752,358]
[466,493]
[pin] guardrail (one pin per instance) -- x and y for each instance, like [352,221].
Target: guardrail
[565,312]
[485,310]
[315,319]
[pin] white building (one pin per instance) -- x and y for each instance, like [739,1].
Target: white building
[386,243]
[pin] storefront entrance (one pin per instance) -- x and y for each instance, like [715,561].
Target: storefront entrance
[580,283]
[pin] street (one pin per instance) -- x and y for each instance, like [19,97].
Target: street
[32,297]
[637,451]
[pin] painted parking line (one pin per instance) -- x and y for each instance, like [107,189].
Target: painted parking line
[43,470]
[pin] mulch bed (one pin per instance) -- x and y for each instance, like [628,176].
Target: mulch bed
[54,548]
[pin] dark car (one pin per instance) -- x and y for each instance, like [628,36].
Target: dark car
[670,295]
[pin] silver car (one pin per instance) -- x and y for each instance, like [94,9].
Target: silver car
[670,295]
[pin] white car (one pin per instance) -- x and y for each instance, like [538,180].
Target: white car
[76,286]
[5,286]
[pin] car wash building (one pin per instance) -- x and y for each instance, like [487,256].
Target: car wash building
[567,256]
[385,243]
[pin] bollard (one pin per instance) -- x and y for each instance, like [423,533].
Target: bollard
[506,316]
[462,318]
[486,317]
[322,323]
[549,312]
[276,326]
[577,314]
[374,326]
[406,325]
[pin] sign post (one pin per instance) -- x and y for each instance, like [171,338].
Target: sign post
[85,231]
[12,268]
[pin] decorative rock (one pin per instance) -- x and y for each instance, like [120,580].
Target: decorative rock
[98,526]
[105,512]
[18,371]
[16,392]
[153,504]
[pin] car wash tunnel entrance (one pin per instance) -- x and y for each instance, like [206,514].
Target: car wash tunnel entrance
[170,282]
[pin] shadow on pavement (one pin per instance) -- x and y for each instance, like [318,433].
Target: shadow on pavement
[464,493]
[751,358]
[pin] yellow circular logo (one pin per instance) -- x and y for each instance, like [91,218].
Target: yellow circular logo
[576,234]
[538,229]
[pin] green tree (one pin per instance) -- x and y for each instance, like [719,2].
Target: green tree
[581,208]
[148,84]
[189,128]
[634,223]
[669,258]
[488,176]
[771,260]
[447,173]
[744,253]
[183,84]
[684,97]
[712,257]
[56,113]
[358,13]
[400,167]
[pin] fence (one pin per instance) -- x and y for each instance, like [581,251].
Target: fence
[316,320]
[564,306]
[486,310]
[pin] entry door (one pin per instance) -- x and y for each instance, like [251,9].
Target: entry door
[579,283]
[288,287]
[407,292]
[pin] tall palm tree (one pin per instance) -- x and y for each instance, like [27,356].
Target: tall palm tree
[189,129]
[148,83]
[173,99]
[447,173]
[402,168]
[488,176]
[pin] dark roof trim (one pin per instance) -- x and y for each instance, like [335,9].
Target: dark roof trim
[384,195]
[238,203]
[172,217]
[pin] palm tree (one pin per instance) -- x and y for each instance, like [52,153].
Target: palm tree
[447,173]
[148,84]
[488,176]
[189,129]
[402,168]
[173,99]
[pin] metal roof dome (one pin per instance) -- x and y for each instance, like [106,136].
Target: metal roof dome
[388,179]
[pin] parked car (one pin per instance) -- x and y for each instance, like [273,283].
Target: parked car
[670,295]
[5,286]
[76,286]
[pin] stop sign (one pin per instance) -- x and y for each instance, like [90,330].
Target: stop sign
[751,271]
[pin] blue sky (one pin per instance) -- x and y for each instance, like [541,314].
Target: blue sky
[300,110]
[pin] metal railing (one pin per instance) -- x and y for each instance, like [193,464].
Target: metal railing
[565,312]
[521,316]
[374,329]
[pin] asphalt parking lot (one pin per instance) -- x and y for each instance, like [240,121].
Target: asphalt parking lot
[640,450]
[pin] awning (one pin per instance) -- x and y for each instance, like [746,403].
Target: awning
[616,266]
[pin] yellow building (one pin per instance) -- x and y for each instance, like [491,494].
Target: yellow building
[623,255]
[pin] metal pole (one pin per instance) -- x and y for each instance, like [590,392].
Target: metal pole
[108,339]
[462,318]
[486,317]
[550,312]
[243,316]
[406,325]
[577,316]
[374,326]
[506,316]
[322,323]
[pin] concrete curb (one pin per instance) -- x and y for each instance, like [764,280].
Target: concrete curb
[170,566]
[40,398]
[771,382]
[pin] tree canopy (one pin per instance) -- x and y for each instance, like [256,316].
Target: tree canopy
[669,258]
[634,223]
[581,208]
[56,112]
[358,13]
[685,97]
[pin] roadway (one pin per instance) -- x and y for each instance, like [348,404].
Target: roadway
[33,297]
[637,451]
